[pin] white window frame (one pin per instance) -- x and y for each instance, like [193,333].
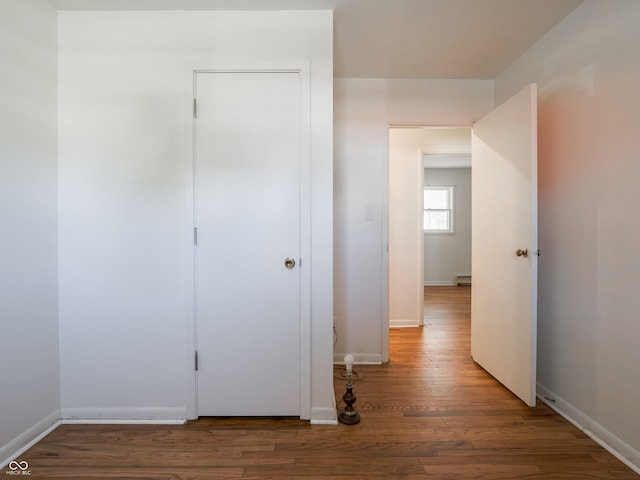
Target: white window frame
[451,210]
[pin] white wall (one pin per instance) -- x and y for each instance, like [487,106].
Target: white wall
[29,373]
[363,108]
[446,256]
[125,223]
[406,171]
[588,71]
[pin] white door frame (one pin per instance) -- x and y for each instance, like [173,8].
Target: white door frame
[387,124]
[206,66]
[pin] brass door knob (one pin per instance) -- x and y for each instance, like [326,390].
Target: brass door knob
[289,263]
[522,252]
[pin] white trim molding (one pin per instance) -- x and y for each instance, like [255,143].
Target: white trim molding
[402,323]
[324,416]
[610,442]
[125,415]
[29,438]
[359,359]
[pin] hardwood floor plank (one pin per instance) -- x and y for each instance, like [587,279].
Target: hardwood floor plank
[161,473]
[482,470]
[431,413]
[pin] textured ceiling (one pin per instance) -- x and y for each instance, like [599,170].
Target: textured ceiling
[461,39]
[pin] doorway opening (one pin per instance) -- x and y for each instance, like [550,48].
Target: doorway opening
[429,199]
[504,224]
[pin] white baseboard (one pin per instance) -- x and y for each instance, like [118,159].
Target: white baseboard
[133,415]
[359,358]
[29,438]
[610,442]
[401,323]
[437,283]
[324,416]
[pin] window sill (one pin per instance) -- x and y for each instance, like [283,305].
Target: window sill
[439,233]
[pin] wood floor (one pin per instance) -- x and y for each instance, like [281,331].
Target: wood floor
[431,413]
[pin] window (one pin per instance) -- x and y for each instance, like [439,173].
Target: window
[438,209]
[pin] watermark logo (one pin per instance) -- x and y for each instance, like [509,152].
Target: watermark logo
[20,467]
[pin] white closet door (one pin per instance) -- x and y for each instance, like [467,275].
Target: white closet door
[247,169]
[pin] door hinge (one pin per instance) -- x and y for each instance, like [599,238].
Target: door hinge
[196,360]
[195,108]
[195,236]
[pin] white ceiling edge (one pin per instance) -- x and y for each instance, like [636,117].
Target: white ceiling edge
[105,5]
[404,39]
[447,160]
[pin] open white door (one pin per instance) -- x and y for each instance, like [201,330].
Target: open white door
[505,244]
